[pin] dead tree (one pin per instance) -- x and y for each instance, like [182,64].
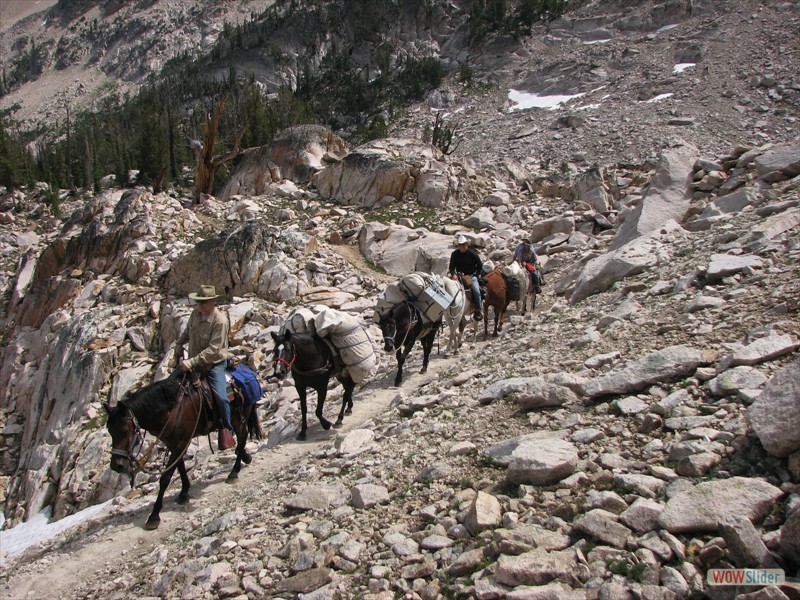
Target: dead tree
[207,163]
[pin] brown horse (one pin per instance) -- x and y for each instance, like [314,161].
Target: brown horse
[497,298]
[175,413]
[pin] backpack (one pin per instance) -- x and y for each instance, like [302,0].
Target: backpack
[247,382]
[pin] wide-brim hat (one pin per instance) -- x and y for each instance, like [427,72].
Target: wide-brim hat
[526,240]
[461,239]
[205,292]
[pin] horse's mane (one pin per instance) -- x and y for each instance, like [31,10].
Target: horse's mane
[154,398]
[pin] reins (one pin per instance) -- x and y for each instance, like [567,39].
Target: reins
[138,463]
[290,364]
[412,322]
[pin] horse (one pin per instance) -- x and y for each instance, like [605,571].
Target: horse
[174,412]
[312,363]
[497,298]
[403,325]
[458,315]
[528,292]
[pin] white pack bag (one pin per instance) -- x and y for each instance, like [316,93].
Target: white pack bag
[351,341]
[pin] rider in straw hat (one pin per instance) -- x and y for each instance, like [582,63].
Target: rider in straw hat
[207,335]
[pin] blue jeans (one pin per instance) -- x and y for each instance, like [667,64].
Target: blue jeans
[218,385]
[216,380]
[476,293]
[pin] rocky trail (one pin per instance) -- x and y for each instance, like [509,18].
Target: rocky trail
[97,549]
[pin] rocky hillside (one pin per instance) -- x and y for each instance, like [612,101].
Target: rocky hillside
[638,429]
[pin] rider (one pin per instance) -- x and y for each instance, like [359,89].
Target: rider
[525,255]
[467,261]
[207,334]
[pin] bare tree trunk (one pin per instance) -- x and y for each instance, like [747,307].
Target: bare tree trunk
[207,163]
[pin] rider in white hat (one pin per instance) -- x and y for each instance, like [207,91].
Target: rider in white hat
[467,261]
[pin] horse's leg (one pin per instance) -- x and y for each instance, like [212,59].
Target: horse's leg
[322,393]
[401,358]
[347,400]
[183,497]
[486,319]
[427,347]
[240,424]
[153,521]
[301,392]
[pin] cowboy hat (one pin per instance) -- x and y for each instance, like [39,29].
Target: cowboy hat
[206,292]
[526,240]
[461,239]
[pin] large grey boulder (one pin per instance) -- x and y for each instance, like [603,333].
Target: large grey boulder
[785,160]
[296,154]
[667,364]
[243,260]
[703,506]
[542,462]
[600,273]
[375,174]
[666,199]
[775,414]
[399,250]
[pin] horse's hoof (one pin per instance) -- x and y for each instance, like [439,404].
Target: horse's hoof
[337,425]
[232,478]
[301,436]
[348,411]
[326,425]
[182,499]
[152,524]
[247,458]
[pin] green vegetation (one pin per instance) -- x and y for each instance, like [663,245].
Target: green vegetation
[150,133]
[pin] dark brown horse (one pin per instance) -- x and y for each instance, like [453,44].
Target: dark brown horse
[312,365]
[497,298]
[401,327]
[175,413]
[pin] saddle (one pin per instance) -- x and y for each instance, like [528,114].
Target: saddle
[197,387]
[466,283]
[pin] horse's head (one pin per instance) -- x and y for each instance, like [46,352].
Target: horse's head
[284,355]
[389,330]
[125,436]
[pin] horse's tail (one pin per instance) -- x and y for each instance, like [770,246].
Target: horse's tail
[253,424]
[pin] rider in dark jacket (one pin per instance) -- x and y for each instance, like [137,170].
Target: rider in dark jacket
[467,261]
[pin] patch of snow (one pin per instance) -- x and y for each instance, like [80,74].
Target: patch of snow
[659,98]
[681,67]
[667,28]
[524,100]
[39,529]
[590,42]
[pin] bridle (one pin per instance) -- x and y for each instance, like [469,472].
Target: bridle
[290,364]
[287,363]
[136,439]
[412,322]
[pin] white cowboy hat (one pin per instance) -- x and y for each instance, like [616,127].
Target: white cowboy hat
[206,292]
[461,239]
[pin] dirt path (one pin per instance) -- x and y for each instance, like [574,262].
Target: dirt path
[59,570]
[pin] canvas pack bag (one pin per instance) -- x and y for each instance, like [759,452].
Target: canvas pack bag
[351,341]
[300,320]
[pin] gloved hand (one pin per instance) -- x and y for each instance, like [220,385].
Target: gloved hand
[184,366]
